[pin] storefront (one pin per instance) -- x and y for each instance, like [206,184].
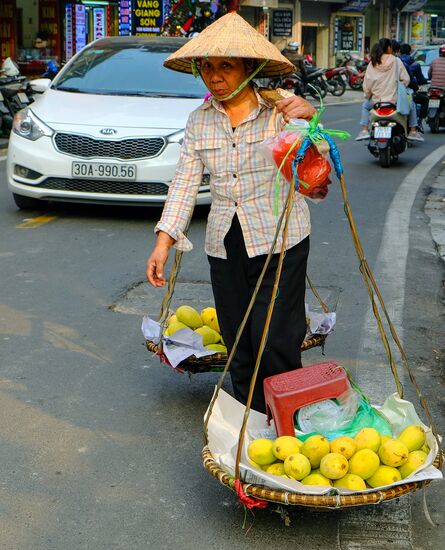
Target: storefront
[8,29]
[315,32]
[349,29]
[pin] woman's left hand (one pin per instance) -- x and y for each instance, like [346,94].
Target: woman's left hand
[295,107]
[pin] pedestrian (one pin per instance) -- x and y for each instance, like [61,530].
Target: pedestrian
[223,136]
[380,85]
[416,80]
[436,72]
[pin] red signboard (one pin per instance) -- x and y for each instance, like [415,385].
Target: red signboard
[7,29]
[49,24]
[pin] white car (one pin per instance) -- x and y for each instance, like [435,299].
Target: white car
[107,130]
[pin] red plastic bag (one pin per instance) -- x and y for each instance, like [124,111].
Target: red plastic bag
[313,171]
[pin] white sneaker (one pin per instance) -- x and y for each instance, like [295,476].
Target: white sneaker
[362,135]
[415,136]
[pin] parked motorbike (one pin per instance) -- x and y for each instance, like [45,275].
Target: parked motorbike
[15,92]
[388,134]
[339,76]
[436,109]
[355,76]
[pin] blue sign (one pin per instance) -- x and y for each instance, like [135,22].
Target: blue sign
[355,6]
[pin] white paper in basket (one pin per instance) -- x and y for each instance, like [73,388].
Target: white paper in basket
[225,424]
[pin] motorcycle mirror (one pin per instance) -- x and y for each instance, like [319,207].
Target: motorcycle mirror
[39,85]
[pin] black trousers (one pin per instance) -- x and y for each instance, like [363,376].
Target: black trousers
[233,282]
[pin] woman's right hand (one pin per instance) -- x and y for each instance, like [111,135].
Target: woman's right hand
[157,260]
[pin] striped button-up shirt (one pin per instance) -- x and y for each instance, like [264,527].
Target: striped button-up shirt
[242,181]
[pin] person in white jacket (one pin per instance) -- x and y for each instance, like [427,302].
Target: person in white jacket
[380,84]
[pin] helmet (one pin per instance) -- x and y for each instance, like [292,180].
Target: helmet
[9,68]
[442,50]
[293,45]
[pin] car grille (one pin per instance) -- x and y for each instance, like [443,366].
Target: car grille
[104,186]
[87,147]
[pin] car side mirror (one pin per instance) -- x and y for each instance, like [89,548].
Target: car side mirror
[39,85]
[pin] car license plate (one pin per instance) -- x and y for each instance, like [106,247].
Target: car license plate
[102,171]
[433,103]
[382,132]
[345,78]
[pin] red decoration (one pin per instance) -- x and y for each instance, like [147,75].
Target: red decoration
[249,502]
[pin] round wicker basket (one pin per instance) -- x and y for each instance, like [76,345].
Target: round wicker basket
[217,361]
[322,502]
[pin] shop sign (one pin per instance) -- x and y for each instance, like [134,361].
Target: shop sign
[69,46]
[7,26]
[49,23]
[124,17]
[148,17]
[413,5]
[81,33]
[347,40]
[282,22]
[99,23]
[355,5]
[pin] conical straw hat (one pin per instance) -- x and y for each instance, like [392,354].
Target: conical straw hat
[230,36]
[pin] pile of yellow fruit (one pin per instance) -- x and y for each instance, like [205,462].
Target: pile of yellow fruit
[205,324]
[370,459]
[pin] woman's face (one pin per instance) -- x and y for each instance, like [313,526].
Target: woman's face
[223,75]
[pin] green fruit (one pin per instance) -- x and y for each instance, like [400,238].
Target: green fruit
[260,451]
[384,475]
[415,460]
[364,463]
[175,326]
[217,347]
[189,316]
[285,446]
[315,448]
[209,336]
[209,318]
[297,466]
[393,453]
[334,466]
[350,481]
[277,468]
[367,438]
[413,437]
[316,479]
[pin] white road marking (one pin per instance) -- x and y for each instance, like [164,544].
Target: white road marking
[389,272]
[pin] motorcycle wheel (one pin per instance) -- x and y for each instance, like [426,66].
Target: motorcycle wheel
[385,157]
[339,86]
[315,91]
[433,123]
[357,85]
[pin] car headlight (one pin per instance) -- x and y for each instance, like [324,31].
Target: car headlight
[27,125]
[177,137]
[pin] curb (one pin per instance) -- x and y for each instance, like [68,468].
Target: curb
[435,210]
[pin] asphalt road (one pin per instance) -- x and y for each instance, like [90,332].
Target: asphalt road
[100,445]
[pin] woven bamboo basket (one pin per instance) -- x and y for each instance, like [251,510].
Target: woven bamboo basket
[216,362]
[321,502]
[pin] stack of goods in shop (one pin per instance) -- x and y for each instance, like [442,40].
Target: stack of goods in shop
[187,17]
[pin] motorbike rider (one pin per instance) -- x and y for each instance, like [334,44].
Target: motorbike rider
[416,79]
[292,53]
[380,84]
[436,71]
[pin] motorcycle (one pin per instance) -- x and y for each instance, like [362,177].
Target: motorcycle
[436,109]
[388,134]
[15,92]
[355,76]
[339,76]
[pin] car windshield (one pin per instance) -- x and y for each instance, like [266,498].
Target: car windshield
[425,57]
[127,70]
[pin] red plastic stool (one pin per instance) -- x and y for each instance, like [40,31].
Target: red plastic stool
[287,392]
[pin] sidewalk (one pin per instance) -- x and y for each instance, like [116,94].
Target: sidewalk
[350,96]
[435,209]
[3,144]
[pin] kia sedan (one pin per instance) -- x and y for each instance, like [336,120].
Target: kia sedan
[107,130]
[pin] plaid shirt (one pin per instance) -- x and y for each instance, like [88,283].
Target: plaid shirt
[242,181]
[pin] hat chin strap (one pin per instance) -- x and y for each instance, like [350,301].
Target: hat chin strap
[196,73]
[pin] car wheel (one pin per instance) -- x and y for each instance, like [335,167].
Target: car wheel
[28,203]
